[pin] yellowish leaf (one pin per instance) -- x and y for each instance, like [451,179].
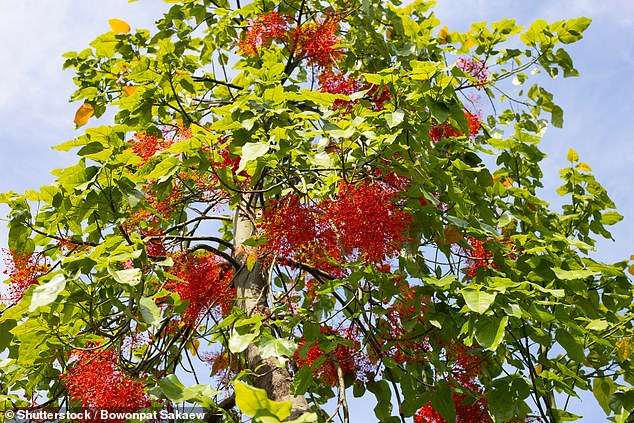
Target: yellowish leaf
[573,156]
[470,44]
[84,113]
[584,166]
[180,72]
[193,346]
[118,26]
[538,369]
[444,32]
[624,348]
[129,89]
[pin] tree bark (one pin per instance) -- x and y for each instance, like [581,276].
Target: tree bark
[251,291]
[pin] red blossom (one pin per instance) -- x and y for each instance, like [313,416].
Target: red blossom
[362,222]
[205,281]
[443,131]
[97,382]
[262,31]
[466,367]
[397,342]
[23,270]
[366,221]
[146,146]
[315,42]
[480,256]
[352,363]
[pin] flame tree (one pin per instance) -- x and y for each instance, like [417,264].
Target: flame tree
[296,198]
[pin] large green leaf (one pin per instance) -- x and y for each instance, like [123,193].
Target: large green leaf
[279,348]
[476,299]
[150,311]
[47,293]
[489,331]
[254,401]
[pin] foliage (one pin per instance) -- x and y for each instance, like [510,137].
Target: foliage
[318,193]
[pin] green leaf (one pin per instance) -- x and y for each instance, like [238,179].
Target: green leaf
[611,217]
[571,275]
[572,29]
[598,325]
[171,387]
[476,299]
[130,277]
[276,347]
[324,99]
[150,311]
[383,394]
[442,401]
[251,152]
[395,118]
[253,401]
[163,170]
[239,342]
[47,293]
[603,388]
[571,345]
[489,331]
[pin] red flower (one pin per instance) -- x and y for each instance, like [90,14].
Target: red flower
[443,131]
[466,368]
[262,31]
[315,42]
[24,269]
[346,357]
[480,256]
[97,382]
[361,223]
[205,281]
[146,146]
[367,223]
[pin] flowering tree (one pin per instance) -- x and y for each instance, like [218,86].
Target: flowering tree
[301,197]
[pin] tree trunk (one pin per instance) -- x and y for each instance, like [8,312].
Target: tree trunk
[251,291]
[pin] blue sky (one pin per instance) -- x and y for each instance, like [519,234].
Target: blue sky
[35,113]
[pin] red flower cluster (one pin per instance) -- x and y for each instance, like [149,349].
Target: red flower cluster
[23,269]
[316,41]
[368,225]
[360,223]
[480,256]
[205,281]
[475,68]
[146,146]
[351,363]
[443,131]
[97,382]
[266,28]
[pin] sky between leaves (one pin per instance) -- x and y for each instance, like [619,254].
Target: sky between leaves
[35,113]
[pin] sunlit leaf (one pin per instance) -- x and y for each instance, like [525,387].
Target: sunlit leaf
[84,113]
[118,26]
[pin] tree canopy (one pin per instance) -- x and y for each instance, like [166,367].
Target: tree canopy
[301,200]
